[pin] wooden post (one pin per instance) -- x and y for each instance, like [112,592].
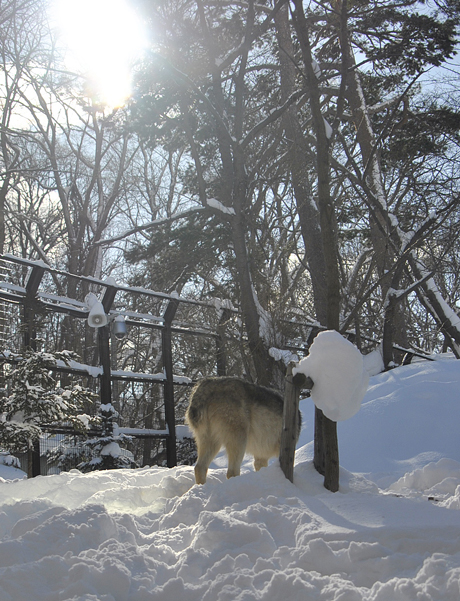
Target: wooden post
[292,389]
[326,450]
[319,450]
[331,452]
[170,416]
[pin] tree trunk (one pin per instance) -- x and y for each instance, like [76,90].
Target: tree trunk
[326,447]
[300,156]
[379,219]
[235,181]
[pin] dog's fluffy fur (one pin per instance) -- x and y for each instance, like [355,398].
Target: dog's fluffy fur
[242,417]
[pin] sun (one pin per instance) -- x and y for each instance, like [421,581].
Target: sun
[102,39]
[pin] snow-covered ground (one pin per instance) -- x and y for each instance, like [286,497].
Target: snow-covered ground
[392,533]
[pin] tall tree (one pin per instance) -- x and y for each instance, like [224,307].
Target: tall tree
[208,68]
[401,42]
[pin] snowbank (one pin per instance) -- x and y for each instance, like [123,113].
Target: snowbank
[152,534]
[409,417]
[437,480]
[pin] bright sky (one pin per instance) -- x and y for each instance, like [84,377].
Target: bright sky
[103,38]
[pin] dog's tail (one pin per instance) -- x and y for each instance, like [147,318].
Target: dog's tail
[197,407]
[194,415]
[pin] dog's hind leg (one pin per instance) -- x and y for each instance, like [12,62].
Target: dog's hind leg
[260,462]
[235,447]
[207,449]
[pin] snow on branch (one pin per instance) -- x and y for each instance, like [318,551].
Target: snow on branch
[218,206]
[395,296]
[328,129]
[381,106]
[150,225]
[444,311]
[266,332]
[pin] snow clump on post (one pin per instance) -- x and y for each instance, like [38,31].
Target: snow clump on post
[340,379]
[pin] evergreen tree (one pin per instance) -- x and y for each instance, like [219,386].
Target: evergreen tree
[35,399]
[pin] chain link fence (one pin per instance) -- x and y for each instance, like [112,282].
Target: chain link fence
[62,449]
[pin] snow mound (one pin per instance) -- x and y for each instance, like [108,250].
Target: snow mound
[437,480]
[153,535]
[409,418]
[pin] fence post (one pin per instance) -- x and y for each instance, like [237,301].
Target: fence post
[34,456]
[170,417]
[293,386]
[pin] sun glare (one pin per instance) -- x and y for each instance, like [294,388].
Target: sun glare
[102,39]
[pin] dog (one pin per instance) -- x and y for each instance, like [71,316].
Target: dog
[242,417]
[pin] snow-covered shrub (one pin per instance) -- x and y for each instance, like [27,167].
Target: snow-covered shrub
[104,452]
[9,460]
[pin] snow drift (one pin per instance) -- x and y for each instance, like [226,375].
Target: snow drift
[151,534]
